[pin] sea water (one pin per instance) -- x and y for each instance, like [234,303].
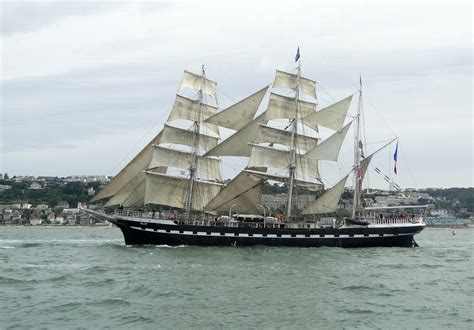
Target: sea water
[73,277]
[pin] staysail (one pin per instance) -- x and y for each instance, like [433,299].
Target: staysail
[241,194]
[328,201]
[240,114]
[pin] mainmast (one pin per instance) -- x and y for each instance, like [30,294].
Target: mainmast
[357,157]
[194,151]
[294,128]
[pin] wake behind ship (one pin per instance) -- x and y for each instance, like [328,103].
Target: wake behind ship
[180,170]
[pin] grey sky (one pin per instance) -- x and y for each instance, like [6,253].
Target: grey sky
[85,85]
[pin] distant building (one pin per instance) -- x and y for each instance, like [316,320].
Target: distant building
[421,195]
[16,216]
[279,201]
[63,204]
[439,213]
[36,222]
[50,181]
[70,211]
[20,178]
[5,187]
[87,178]
[35,186]
[91,191]
[387,200]
[85,219]
[42,207]
[71,219]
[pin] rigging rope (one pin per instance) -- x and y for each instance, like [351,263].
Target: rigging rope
[119,163]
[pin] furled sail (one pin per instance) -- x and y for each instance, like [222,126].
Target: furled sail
[328,201]
[329,148]
[208,166]
[240,114]
[170,190]
[268,134]
[289,80]
[198,82]
[332,116]
[242,194]
[238,143]
[177,135]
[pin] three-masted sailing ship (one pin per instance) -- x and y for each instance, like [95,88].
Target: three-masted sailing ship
[178,174]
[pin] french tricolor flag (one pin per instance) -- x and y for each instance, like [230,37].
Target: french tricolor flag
[395,157]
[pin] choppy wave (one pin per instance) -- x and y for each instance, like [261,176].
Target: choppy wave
[89,278]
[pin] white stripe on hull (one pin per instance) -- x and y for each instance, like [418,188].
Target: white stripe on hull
[204,234]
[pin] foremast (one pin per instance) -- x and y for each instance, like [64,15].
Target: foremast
[294,128]
[194,151]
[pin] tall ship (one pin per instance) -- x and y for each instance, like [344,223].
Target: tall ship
[173,192]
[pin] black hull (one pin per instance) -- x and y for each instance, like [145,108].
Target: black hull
[148,233]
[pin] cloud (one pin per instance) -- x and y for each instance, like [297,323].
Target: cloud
[23,17]
[86,86]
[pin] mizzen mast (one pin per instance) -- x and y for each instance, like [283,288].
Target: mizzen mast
[358,172]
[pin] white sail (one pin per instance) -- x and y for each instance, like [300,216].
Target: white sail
[176,135]
[197,82]
[169,190]
[283,107]
[262,156]
[243,193]
[136,196]
[125,192]
[210,167]
[138,164]
[329,148]
[267,134]
[306,169]
[332,116]
[238,143]
[240,114]
[188,109]
[328,201]
[288,80]
[364,163]
[185,108]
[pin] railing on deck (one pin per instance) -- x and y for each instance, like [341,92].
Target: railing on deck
[211,221]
